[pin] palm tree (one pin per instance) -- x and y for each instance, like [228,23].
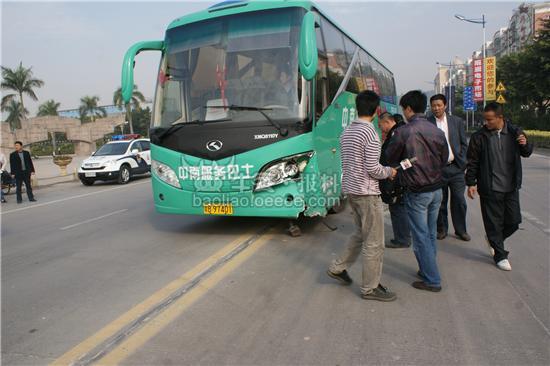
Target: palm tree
[48,108]
[16,113]
[89,108]
[22,82]
[134,103]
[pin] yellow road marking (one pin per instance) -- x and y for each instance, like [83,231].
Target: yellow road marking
[112,328]
[152,328]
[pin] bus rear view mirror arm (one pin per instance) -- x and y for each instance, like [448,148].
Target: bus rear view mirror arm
[128,65]
[307,53]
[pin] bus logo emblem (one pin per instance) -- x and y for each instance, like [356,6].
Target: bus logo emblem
[214,145]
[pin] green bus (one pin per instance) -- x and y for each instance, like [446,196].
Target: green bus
[250,102]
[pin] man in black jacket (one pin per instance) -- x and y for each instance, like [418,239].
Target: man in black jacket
[391,191]
[494,171]
[22,169]
[426,143]
[453,172]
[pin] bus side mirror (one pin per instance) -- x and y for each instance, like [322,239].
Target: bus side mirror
[307,53]
[128,65]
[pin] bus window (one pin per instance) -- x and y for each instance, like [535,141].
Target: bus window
[321,92]
[355,83]
[248,59]
[321,80]
[349,47]
[369,75]
[337,63]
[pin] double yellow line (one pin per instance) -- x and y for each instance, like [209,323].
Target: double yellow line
[123,336]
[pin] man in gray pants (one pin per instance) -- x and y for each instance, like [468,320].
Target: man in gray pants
[361,171]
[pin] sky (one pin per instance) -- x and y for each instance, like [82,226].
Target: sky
[77,47]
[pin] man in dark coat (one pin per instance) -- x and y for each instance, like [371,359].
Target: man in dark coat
[453,172]
[21,169]
[391,191]
[494,171]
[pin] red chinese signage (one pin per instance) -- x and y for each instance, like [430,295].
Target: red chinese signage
[478,80]
[372,85]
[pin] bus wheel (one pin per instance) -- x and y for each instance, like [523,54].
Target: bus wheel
[340,206]
[294,230]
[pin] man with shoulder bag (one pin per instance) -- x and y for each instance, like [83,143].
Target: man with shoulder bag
[392,193]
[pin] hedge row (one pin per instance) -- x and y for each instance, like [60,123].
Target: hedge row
[539,138]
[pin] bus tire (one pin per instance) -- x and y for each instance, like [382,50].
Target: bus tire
[341,206]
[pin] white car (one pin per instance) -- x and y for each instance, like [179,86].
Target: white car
[117,160]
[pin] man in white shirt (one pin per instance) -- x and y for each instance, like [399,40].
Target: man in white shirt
[453,173]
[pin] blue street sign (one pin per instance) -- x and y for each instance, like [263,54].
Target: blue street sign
[468,99]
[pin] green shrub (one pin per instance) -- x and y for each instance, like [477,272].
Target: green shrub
[539,138]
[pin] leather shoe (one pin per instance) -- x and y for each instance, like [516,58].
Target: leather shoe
[396,245]
[464,236]
[421,285]
[441,235]
[32,200]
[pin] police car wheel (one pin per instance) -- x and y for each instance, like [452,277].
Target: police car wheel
[124,174]
[87,181]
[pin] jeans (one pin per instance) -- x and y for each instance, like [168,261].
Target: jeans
[501,217]
[454,182]
[400,222]
[367,240]
[423,209]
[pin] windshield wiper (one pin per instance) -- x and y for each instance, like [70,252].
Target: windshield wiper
[177,125]
[233,107]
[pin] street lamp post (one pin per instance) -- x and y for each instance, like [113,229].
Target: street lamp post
[450,101]
[482,22]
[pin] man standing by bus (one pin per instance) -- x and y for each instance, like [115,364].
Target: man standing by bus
[453,172]
[422,140]
[361,171]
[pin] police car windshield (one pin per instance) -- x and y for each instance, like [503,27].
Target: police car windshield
[118,148]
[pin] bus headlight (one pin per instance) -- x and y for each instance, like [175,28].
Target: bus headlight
[282,170]
[165,173]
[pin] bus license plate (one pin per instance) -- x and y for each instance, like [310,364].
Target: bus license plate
[226,209]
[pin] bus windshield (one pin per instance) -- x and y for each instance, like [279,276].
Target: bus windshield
[246,60]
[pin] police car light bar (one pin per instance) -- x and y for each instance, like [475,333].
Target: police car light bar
[129,136]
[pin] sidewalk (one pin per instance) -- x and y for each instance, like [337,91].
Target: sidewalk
[47,173]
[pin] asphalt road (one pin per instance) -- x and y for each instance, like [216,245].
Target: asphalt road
[94,275]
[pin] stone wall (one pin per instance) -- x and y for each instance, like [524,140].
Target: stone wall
[83,135]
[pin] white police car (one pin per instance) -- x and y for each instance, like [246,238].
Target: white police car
[119,159]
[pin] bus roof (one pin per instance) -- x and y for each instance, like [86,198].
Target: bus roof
[230,7]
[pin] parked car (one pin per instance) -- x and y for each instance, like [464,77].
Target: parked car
[120,159]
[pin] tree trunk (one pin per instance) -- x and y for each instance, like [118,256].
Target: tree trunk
[54,145]
[22,105]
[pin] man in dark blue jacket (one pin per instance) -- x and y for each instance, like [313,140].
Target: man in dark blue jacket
[21,169]
[422,140]
[494,171]
[453,172]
